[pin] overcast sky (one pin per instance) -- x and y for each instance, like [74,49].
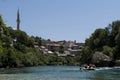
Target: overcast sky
[60,19]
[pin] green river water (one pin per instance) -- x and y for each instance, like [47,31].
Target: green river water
[59,73]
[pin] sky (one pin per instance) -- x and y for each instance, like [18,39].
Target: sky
[60,19]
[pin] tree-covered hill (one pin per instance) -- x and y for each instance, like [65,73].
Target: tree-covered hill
[105,41]
[17,50]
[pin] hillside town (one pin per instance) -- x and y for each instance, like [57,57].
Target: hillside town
[61,48]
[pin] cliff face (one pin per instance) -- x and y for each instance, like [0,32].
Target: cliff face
[101,60]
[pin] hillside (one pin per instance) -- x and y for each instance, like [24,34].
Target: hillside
[104,43]
[18,49]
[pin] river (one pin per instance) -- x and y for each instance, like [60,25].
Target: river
[58,73]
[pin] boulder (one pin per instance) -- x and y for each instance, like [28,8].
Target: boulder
[101,60]
[117,63]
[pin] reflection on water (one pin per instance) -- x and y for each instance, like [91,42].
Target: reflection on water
[58,73]
[14,71]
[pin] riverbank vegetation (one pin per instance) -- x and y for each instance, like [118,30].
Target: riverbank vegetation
[17,48]
[104,42]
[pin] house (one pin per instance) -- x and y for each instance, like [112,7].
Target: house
[61,48]
[45,50]
[74,52]
[53,47]
[36,46]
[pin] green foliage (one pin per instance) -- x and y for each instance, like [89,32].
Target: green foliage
[97,40]
[61,49]
[39,40]
[86,55]
[108,51]
[103,40]
[3,28]
[7,58]
[17,50]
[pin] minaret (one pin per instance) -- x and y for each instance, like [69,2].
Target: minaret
[18,20]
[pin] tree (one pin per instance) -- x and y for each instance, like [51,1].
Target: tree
[86,55]
[21,37]
[30,42]
[106,40]
[39,40]
[3,28]
[117,47]
[97,39]
[61,49]
[6,41]
[108,51]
